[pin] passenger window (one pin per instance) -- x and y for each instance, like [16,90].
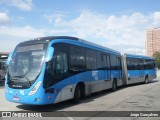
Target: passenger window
[77,59]
[91,61]
[61,63]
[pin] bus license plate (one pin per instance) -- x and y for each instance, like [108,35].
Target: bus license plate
[16,98]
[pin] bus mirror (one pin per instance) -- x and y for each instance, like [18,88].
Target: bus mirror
[9,58]
[49,54]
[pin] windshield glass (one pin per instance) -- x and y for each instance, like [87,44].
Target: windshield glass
[26,63]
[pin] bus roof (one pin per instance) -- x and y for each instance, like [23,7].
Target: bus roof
[46,39]
[84,42]
[138,56]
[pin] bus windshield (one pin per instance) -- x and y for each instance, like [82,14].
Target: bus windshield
[26,63]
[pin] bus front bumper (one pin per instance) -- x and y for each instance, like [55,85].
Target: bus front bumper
[31,100]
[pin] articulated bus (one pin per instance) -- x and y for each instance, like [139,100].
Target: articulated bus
[54,69]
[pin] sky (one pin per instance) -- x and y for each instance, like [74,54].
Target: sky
[117,24]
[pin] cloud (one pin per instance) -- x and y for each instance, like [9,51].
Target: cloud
[24,5]
[55,18]
[4,18]
[26,31]
[156,18]
[125,33]
[11,36]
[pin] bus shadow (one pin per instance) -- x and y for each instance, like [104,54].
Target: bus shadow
[69,103]
[150,82]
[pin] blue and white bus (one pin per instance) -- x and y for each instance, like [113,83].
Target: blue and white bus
[53,69]
[138,68]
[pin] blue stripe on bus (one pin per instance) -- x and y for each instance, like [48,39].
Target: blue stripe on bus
[136,73]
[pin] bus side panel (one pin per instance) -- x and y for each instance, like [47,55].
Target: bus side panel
[97,86]
[150,73]
[66,87]
[66,93]
[134,76]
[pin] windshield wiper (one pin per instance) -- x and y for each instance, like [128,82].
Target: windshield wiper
[29,82]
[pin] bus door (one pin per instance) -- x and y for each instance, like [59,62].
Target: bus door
[106,59]
[141,68]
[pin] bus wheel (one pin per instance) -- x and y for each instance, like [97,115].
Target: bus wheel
[146,80]
[114,85]
[76,94]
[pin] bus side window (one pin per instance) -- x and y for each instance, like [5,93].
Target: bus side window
[61,63]
[77,59]
[91,59]
[106,61]
[113,60]
[119,63]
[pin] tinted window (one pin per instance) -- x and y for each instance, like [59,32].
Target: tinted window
[134,64]
[100,64]
[119,63]
[77,58]
[140,64]
[57,69]
[149,64]
[106,61]
[61,64]
[113,60]
[91,61]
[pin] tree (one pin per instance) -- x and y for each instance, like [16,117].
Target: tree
[156,55]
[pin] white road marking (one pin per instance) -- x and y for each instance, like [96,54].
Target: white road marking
[70,118]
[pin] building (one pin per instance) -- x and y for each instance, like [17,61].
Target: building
[152,43]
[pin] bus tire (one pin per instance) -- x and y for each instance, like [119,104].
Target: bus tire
[146,80]
[76,94]
[82,89]
[114,85]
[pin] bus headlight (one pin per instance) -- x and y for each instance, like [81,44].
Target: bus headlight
[34,90]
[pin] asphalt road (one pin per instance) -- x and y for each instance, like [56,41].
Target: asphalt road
[138,97]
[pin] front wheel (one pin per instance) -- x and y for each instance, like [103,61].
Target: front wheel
[76,94]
